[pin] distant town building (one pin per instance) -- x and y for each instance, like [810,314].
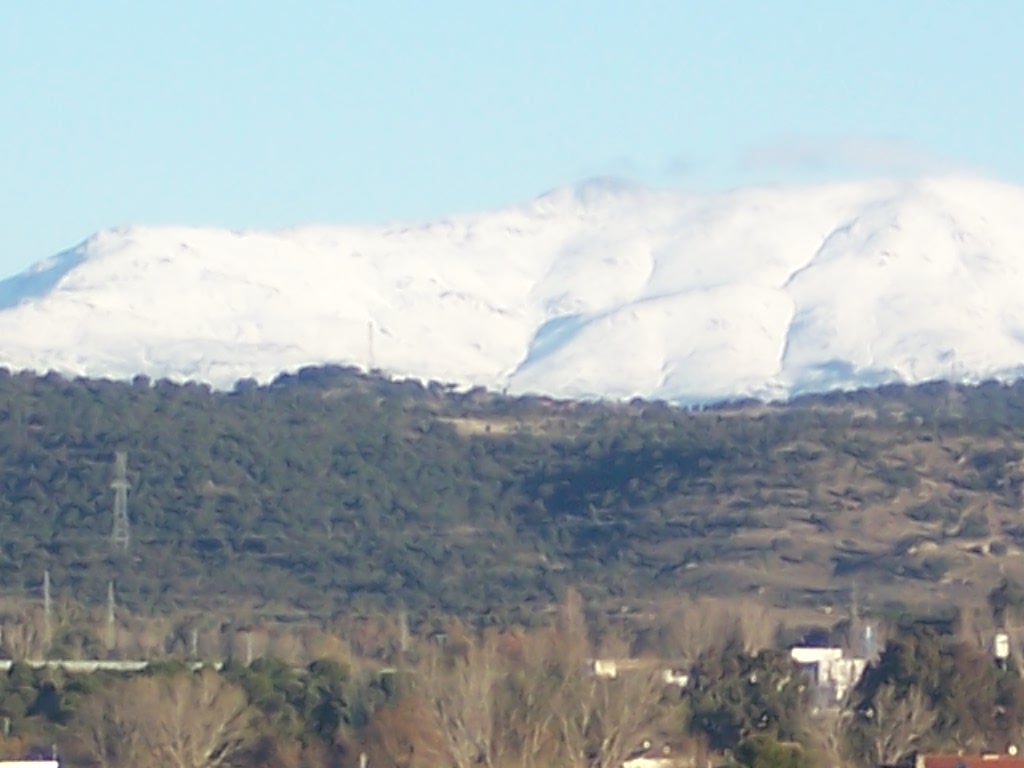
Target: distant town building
[1001,646]
[677,677]
[832,673]
[612,668]
[37,757]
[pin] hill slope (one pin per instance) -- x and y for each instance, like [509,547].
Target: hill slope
[599,291]
[331,492]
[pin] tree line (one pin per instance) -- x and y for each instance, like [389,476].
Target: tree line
[529,698]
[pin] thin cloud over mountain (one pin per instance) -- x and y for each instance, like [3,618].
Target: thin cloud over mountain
[847,156]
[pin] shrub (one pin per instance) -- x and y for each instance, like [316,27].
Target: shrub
[766,752]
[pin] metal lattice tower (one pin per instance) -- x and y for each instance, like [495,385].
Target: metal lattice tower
[120,535]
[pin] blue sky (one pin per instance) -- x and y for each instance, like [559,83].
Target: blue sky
[270,114]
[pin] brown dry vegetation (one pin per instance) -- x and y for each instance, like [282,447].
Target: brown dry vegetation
[897,522]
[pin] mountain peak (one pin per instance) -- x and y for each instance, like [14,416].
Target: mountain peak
[604,289]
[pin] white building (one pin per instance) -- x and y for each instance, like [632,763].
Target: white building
[611,668]
[833,674]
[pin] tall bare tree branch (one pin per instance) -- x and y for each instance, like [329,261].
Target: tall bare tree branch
[189,721]
[894,725]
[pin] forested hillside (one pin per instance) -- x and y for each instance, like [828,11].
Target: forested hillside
[331,491]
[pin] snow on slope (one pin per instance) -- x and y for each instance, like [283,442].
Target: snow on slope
[597,291]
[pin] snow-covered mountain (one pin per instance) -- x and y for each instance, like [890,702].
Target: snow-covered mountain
[602,290]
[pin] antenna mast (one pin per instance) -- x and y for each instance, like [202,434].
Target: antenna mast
[47,611]
[111,617]
[370,362]
[120,535]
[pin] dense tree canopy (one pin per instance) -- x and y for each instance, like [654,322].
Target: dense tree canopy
[330,491]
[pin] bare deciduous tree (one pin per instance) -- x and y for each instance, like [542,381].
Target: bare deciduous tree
[828,734]
[462,690]
[532,702]
[23,635]
[526,734]
[894,725]
[693,627]
[104,731]
[404,735]
[189,721]
[571,634]
[600,721]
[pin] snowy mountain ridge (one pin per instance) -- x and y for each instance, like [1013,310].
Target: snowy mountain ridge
[602,290]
